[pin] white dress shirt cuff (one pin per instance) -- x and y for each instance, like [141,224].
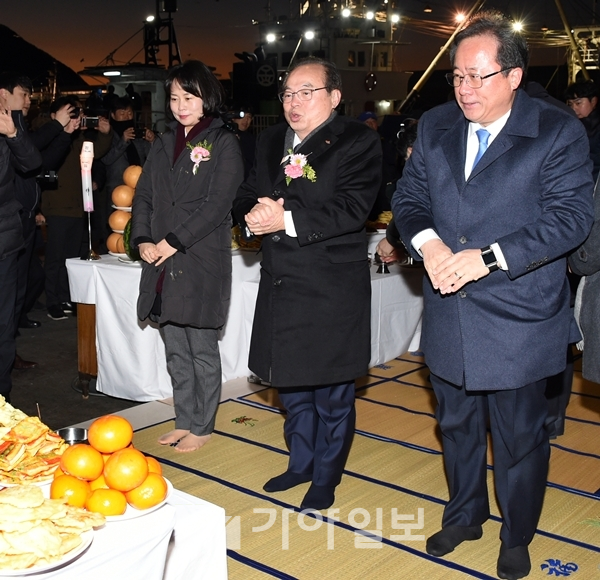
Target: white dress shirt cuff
[499,256]
[288,221]
[423,237]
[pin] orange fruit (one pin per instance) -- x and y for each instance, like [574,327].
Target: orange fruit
[82,461]
[74,490]
[99,483]
[58,472]
[110,433]
[125,469]
[122,195]
[150,493]
[131,175]
[118,219]
[115,244]
[108,502]
[153,465]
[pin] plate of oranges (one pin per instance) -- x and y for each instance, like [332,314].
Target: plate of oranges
[108,475]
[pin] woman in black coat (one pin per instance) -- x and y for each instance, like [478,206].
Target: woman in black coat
[182,227]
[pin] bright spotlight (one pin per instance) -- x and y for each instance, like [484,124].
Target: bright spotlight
[395,18]
[271,37]
[346,12]
[150,19]
[517,26]
[370,15]
[309,35]
[459,17]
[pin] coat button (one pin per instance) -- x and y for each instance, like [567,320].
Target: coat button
[462,240]
[173,204]
[275,238]
[462,294]
[277,283]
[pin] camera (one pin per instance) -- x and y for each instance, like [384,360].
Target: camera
[48,179]
[140,132]
[75,112]
[89,122]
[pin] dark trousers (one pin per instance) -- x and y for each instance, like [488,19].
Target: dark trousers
[558,393]
[194,364]
[521,453]
[65,235]
[318,428]
[23,261]
[8,296]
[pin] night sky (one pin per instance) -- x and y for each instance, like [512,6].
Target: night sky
[82,33]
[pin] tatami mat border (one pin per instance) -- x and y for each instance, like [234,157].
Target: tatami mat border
[318,515]
[422,449]
[399,407]
[366,478]
[259,566]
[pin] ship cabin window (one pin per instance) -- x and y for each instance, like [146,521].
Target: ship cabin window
[351,58]
[361,58]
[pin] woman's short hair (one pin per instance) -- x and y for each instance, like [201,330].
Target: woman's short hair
[196,78]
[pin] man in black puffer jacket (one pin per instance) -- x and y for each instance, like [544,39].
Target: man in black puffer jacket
[16,152]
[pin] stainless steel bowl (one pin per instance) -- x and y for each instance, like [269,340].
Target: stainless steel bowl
[73,435]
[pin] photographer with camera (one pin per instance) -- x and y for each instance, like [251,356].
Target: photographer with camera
[51,140]
[63,206]
[241,121]
[130,146]
[16,152]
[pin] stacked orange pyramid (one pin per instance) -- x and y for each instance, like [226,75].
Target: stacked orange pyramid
[122,198]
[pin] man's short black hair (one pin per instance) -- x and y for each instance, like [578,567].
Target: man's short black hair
[513,51]
[581,90]
[61,101]
[196,78]
[120,104]
[333,79]
[11,80]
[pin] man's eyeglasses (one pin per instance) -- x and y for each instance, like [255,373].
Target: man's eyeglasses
[302,94]
[472,80]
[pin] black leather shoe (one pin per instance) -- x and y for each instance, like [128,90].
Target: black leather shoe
[67,307]
[56,313]
[23,365]
[28,323]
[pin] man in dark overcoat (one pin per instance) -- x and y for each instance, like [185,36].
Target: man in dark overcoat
[497,191]
[309,193]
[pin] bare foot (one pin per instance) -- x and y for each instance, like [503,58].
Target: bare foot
[172,436]
[191,442]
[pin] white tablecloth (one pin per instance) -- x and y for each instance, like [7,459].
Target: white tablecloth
[183,540]
[396,309]
[131,357]
[131,354]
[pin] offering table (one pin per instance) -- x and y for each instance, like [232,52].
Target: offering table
[183,540]
[131,358]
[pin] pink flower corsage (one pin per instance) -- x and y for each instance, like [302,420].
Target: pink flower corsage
[297,166]
[200,153]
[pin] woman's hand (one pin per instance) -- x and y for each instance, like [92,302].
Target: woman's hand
[148,252]
[164,251]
